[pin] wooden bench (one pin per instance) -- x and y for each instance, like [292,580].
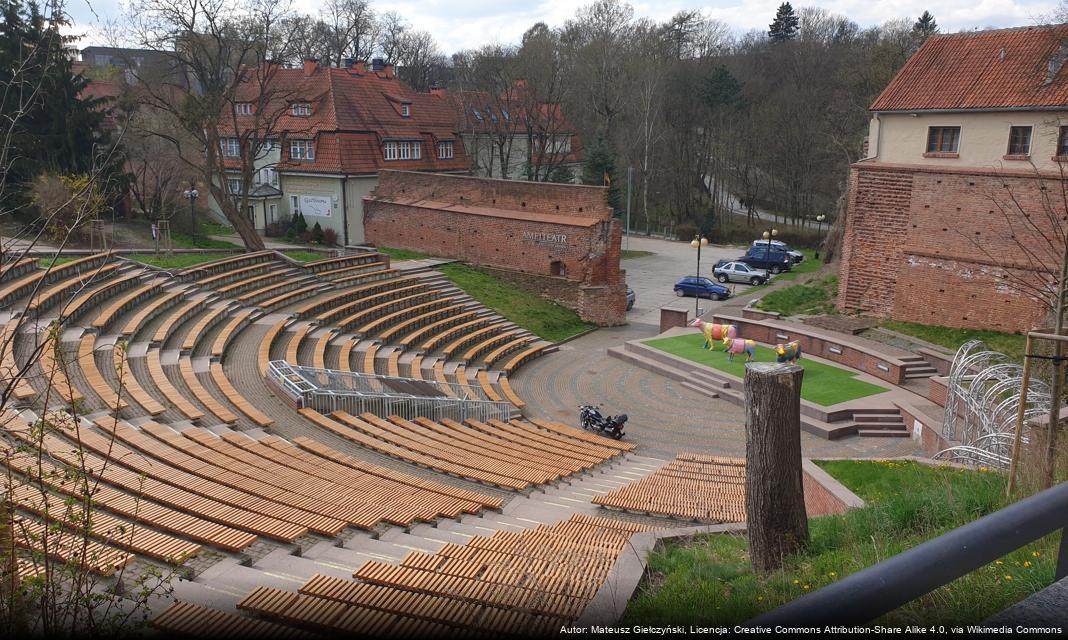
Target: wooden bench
[239,401]
[185,366]
[473,337]
[442,379]
[340,262]
[325,615]
[9,370]
[16,268]
[492,357]
[367,275]
[369,358]
[233,274]
[375,326]
[246,283]
[289,297]
[511,395]
[276,288]
[55,366]
[177,318]
[87,360]
[196,621]
[27,282]
[344,355]
[293,348]
[226,334]
[487,388]
[360,318]
[451,331]
[319,355]
[415,367]
[88,299]
[347,295]
[476,350]
[39,538]
[263,357]
[123,303]
[159,378]
[51,294]
[383,295]
[203,325]
[150,311]
[128,380]
[199,271]
[421,320]
[523,356]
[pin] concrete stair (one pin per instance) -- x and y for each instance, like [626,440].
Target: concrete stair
[917,367]
[876,423]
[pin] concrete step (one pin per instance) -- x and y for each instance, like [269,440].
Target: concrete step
[497,521]
[700,387]
[412,543]
[437,534]
[378,549]
[468,528]
[878,417]
[882,433]
[886,426]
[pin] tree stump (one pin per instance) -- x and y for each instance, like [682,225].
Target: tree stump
[774,491]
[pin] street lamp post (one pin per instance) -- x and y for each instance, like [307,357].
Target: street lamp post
[768,235]
[192,194]
[698,242]
[819,233]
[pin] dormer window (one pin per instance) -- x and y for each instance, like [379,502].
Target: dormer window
[406,110]
[445,150]
[478,114]
[302,150]
[402,151]
[243,108]
[300,109]
[230,147]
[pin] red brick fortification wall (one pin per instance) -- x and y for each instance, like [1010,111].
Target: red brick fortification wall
[569,254]
[927,245]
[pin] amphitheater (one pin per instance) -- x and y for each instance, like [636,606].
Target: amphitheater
[321,447]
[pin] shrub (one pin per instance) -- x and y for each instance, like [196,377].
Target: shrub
[685,231]
[329,237]
[305,237]
[66,203]
[300,225]
[317,234]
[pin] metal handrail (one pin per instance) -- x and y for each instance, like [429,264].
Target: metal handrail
[881,588]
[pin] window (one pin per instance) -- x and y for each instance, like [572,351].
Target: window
[235,185]
[243,108]
[1062,142]
[230,147]
[267,175]
[445,149]
[478,114]
[300,109]
[402,150]
[417,150]
[301,150]
[293,206]
[559,144]
[1019,141]
[274,213]
[405,151]
[252,214]
[505,114]
[943,139]
[406,110]
[389,151]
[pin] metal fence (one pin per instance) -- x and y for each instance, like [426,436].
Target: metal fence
[328,390]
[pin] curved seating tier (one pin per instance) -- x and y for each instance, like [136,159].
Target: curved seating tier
[691,487]
[530,583]
[9,369]
[20,282]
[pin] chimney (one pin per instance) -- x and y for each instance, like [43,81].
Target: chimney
[387,71]
[377,64]
[440,92]
[360,67]
[311,65]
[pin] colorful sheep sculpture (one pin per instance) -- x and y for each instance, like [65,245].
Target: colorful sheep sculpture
[789,352]
[738,345]
[715,332]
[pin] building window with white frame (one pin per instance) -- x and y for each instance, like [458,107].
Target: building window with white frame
[389,151]
[243,108]
[417,150]
[406,110]
[294,205]
[405,151]
[300,109]
[235,186]
[230,147]
[1019,141]
[302,150]
[445,150]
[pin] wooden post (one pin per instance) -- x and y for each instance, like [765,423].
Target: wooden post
[776,522]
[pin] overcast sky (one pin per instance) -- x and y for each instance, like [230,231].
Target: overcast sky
[461,24]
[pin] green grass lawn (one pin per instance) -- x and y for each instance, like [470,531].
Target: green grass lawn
[809,265]
[543,318]
[707,579]
[627,254]
[816,297]
[401,254]
[186,241]
[823,384]
[1011,344]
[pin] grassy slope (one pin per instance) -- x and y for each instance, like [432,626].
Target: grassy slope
[546,319]
[305,256]
[627,254]
[816,297]
[1011,344]
[401,254]
[823,384]
[707,579]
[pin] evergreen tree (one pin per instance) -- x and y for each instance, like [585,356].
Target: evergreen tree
[600,169]
[58,131]
[722,89]
[785,25]
[926,26]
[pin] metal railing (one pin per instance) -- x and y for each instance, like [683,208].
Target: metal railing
[883,587]
[328,390]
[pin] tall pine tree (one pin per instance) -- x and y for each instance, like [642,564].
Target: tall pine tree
[785,25]
[926,26]
[600,169]
[57,130]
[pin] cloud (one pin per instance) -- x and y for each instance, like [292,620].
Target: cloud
[462,24]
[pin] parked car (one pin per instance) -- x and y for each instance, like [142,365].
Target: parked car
[797,256]
[739,272]
[701,287]
[769,259]
[631,297]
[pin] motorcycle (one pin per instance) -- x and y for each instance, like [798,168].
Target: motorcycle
[592,420]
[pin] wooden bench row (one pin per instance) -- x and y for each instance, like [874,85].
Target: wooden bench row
[21,284]
[112,398]
[55,364]
[54,293]
[9,368]
[16,268]
[124,303]
[330,265]
[151,310]
[348,294]
[711,491]
[206,269]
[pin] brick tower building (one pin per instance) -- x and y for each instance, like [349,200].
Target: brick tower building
[957,215]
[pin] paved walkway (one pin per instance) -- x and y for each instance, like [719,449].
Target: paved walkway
[665,417]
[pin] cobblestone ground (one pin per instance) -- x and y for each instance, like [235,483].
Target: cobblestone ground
[665,417]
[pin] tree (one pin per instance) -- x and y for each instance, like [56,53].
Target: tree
[926,26]
[349,31]
[223,51]
[600,169]
[784,27]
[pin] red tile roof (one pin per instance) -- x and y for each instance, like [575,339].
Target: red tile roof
[998,69]
[352,114]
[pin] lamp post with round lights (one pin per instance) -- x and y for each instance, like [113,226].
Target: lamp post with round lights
[192,194]
[819,233]
[768,235]
[698,242]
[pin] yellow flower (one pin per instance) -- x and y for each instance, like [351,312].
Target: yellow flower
[807,587]
[1027,563]
[832,574]
[1008,578]
[797,582]
[760,598]
[998,562]
[1036,554]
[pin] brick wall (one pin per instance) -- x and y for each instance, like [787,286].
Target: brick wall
[512,228]
[928,245]
[819,501]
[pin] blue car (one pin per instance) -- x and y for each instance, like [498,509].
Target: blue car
[701,287]
[631,297]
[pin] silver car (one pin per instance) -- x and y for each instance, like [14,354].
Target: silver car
[739,272]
